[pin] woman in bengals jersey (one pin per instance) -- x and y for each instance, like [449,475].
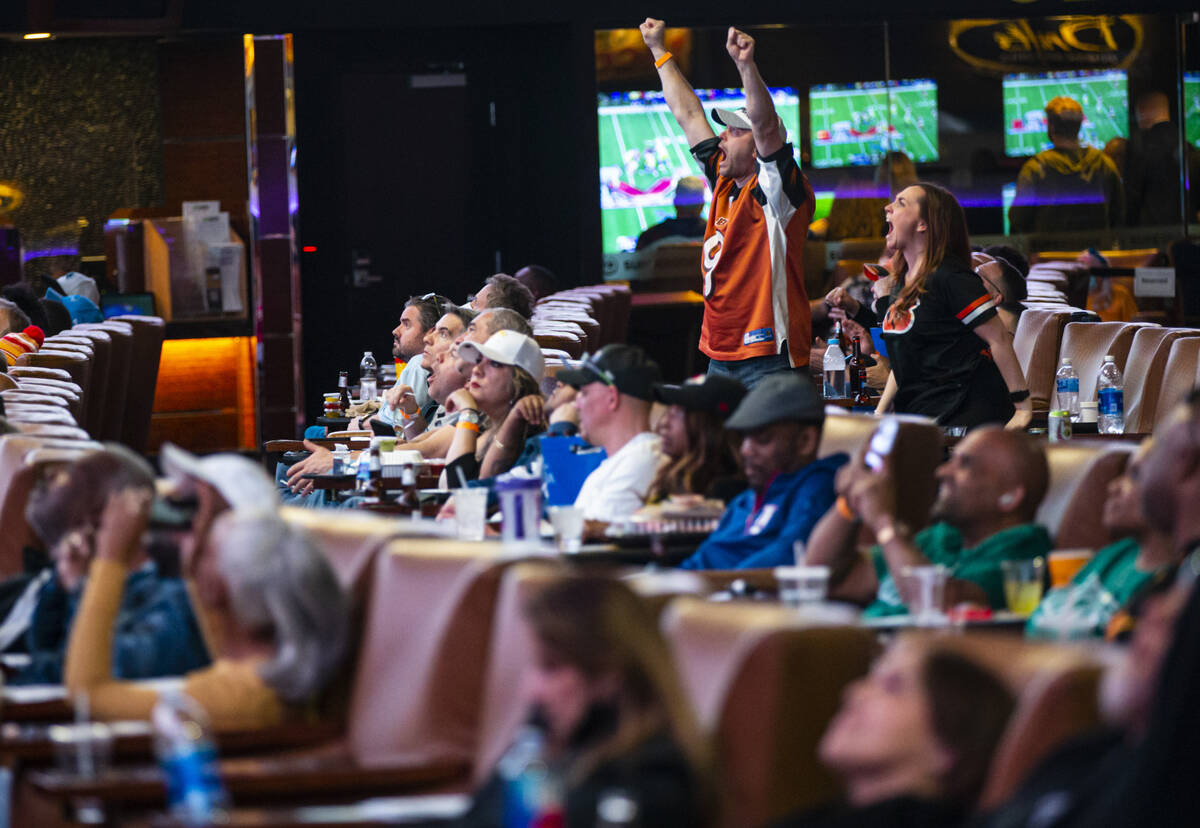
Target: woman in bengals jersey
[952,357]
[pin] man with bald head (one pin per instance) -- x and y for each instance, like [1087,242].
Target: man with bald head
[1170,476]
[989,491]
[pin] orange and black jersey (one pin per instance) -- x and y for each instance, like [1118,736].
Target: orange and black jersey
[752,262]
[943,368]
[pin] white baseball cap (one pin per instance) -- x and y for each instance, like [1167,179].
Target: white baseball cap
[507,348]
[242,482]
[740,119]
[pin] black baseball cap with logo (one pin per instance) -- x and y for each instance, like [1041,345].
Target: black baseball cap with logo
[625,367]
[717,394]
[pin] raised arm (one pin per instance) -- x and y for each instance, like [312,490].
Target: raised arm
[760,109]
[684,104]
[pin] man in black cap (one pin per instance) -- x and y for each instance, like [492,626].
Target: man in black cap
[616,389]
[790,489]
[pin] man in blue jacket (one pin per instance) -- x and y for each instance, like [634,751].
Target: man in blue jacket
[780,421]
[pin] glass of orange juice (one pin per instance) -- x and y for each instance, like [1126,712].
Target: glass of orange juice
[1023,584]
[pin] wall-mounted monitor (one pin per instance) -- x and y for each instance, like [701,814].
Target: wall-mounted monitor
[855,124]
[643,152]
[1191,108]
[1103,95]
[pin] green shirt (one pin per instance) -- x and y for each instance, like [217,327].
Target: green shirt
[1083,608]
[942,544]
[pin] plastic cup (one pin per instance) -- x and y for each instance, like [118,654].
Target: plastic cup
[1065,563]
[568,527]
[83,749]
[799,585]
[1089,412]
[928,584]
[470,513]
[1023,584]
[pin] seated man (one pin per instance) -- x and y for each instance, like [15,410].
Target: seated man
[988,496]
[408,340]
[504,291]
[616,389]
[780,421]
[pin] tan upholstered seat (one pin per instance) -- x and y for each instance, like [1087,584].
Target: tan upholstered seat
[21,371]
[1036,343]
[560,341]
[29,396]
[1143,372]
[1087,343]
[7,383]
[1179,376]
[121,335]
[77,366]
[148,332]
[765,687]
[1080,471]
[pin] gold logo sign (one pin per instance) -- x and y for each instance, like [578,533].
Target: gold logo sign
[1045,44]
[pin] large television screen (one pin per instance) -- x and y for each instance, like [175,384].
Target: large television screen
[643,152]
[1191,108]
[1103,95]
[856,124]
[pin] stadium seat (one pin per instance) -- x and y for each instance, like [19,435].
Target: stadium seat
[1144,368]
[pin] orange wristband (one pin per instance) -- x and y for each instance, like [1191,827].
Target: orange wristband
[843,508]
[468,426]
[658,64]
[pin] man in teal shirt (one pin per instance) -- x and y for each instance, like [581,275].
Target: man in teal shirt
[989,491]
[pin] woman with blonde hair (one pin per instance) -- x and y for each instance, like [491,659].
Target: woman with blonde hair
[952,358]
[615,721]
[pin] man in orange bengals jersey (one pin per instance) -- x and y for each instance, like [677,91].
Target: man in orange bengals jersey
[756,312]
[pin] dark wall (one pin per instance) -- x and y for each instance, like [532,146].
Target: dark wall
[422,180]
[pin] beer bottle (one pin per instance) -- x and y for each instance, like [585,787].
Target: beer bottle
[374,490]
[858,374]
[344,392]
[410,497]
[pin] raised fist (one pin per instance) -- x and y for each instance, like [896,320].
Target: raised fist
[652,33]
[740,46]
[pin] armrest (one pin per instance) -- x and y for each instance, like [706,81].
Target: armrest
[259,778]
[369,813]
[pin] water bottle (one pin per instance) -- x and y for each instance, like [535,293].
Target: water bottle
[533,793]
[1067,388]
[367,377]
[184,746]
[362,475]
[1110,394]
[835,367]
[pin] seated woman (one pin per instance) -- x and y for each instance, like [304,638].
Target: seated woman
[154,632]
[272,611]
[500,406]
[609,713]
[913,740]
[1116,574]
[700,453]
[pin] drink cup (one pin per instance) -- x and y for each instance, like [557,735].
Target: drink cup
[1065,563]
[1023,584]
[928,584]
[83,749]
[1089,412]
[799,585]
[470,513]
[568,527]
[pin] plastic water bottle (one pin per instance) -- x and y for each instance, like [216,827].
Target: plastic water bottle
[362,475]
[1067,388]
[183,743]
[835,367]
[1110,394]
[368,373]
[533,794]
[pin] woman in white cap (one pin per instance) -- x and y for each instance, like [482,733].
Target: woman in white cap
[504,383]
[273,614]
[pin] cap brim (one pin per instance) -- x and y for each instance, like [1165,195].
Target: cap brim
[472,352]
[745,419]
[730,118]
[675,395]
[241,482]
[578,377]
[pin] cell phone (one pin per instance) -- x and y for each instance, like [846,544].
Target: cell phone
[882,443]
[875,272]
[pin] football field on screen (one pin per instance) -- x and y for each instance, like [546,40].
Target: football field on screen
[1104,100]
[643,152]
[854,126]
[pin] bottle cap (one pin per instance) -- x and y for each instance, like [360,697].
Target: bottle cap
[1109,358]
[1066,361]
